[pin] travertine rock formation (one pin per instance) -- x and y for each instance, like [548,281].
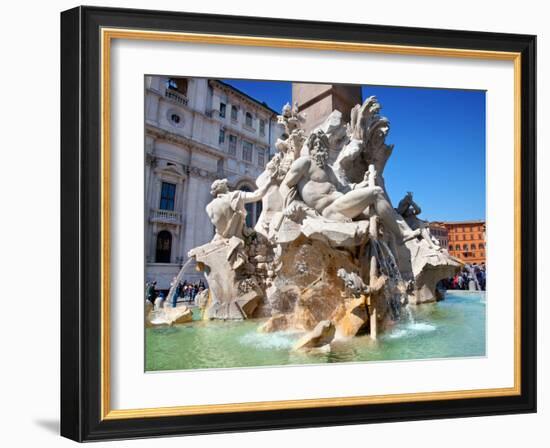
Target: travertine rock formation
[329,252]
[167,315]
[321,336]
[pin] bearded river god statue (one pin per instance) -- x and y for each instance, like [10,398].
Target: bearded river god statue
[329,251]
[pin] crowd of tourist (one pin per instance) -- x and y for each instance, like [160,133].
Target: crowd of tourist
[185,292]
[469,276]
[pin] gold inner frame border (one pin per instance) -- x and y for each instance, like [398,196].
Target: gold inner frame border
[107,35]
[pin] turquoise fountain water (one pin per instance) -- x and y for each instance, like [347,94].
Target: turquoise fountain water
[454,327]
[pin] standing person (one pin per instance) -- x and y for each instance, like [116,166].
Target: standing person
[150,293]
[462,280]
[176,295]
[159,301]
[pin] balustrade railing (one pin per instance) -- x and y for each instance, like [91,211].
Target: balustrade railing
[169,216]
[176,97]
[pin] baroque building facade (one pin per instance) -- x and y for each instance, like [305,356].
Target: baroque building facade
[467,240]
[196,130]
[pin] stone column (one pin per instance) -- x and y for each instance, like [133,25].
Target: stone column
[319,100]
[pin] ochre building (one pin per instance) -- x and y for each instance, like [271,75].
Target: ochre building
[467,240]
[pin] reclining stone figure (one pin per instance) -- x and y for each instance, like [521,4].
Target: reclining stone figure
[318,186]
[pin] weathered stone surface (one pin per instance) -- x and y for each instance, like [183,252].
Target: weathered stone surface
[169,316]
[336,234]
[202,297]
[321,335]
[279,322]
[307,286]
[222,260]
[352,317]
[179,315]
[426,265]
[248,302]
[285,230]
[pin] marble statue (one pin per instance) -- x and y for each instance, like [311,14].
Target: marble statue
[410,210]
[353,282]
[329,254]
[319,188]
[227,210]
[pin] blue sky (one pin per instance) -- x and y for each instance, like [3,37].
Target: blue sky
[439,138]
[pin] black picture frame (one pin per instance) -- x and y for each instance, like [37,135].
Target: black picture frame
[81,224]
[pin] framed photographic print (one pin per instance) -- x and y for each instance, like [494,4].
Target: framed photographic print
[273,223]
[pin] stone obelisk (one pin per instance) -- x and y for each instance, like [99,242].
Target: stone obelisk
[317,101]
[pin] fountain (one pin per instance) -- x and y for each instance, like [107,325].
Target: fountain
[329,254]
[165,311]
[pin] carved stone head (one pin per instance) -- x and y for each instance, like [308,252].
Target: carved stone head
[218,187]
[318,145]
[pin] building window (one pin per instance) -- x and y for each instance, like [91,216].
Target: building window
[167,196]
[262,127]
[247,151]
[250,218]
[222,110]
[164,247]
[248,119]
[261,157]
[473,246]
[178,84]
[232,145]
[221,138]
[259,208]
[481,246]
[465,247]
[234,113]
[175,118]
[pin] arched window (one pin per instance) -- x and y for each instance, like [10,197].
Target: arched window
[250,215]
[465,247]
[481,246]
[473,246]
[164,247]
[258,210]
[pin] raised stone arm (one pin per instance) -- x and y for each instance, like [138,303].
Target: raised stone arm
[408,207]
[257,195]
[416,208]
[369,179]
[296,171]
